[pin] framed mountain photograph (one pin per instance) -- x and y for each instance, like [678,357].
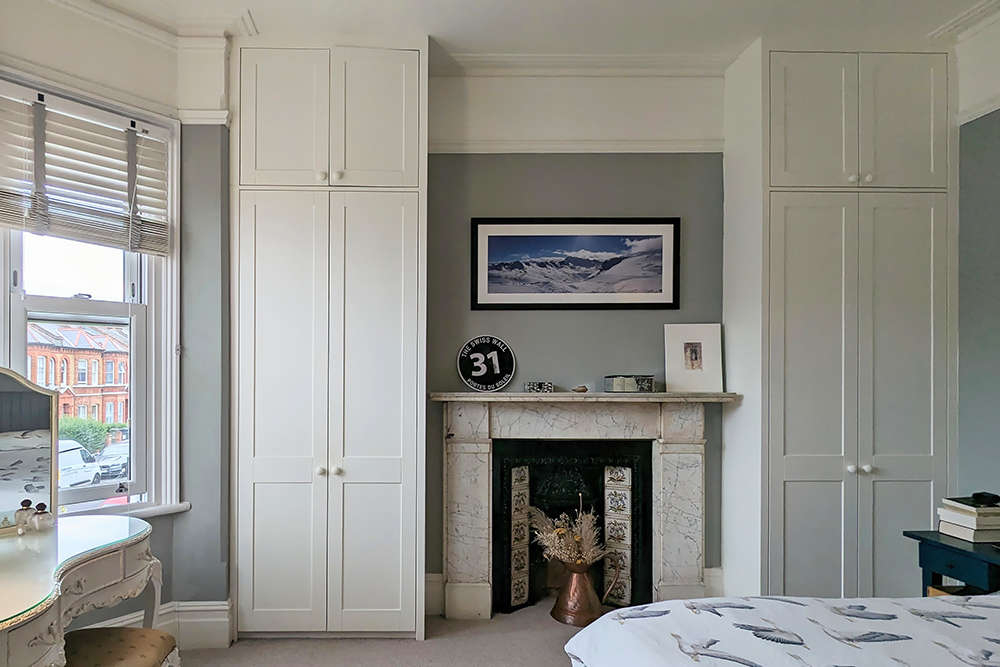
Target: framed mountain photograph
[575,263]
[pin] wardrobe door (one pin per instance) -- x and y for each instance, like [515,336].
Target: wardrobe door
[374,136]
[284,116]
[904,120]
[903,383]
[282,402]
[813,394]
[373,419]
[814,119]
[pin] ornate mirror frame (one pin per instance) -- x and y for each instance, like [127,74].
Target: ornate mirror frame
[26,407]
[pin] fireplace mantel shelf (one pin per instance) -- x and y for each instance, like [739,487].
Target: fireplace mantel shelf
[573,397]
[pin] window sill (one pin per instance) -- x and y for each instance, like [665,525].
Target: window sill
[138,510]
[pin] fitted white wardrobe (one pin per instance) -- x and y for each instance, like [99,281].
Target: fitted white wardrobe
[329,279]
[857,281]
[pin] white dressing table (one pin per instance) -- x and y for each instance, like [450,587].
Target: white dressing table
[46,579]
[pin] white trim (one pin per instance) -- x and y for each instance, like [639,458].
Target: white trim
[578,146]
[135,27]
[976,28]
[212,43]
[204,116]
[987,106]
[434,592]
[714,582]
[966,19]
[195,625]
[206,25]
[470,64]
[136,510]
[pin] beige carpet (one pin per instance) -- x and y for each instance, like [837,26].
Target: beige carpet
[528,637]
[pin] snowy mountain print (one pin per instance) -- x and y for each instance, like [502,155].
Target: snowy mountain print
[575,265]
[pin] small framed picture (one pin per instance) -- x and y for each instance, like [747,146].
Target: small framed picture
[693,354]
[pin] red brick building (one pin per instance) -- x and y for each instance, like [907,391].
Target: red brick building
[87,364]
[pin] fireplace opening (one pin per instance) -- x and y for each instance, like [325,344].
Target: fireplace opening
[614,478]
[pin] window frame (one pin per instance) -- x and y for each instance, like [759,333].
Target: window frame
[97,312]
[161,378]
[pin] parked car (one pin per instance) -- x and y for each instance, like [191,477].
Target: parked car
[113,460]
[77,466]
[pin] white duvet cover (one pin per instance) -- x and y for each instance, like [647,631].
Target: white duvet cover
[795,632]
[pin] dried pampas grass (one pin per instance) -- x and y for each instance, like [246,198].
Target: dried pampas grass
[568,540]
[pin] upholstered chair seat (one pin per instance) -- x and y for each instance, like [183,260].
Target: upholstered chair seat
[121,647]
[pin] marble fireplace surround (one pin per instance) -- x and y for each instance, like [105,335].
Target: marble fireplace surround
[673,423]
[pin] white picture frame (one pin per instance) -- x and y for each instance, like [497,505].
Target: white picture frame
[693,357]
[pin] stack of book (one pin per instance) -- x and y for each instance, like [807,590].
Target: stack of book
[968,520]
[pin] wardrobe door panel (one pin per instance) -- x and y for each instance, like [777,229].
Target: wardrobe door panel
[283,309]
[814,119]
[373,577]
[813,384]
[375,121]
[904,120]
[284,116]
[903,379]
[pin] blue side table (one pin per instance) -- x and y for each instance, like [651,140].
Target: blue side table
[973,563]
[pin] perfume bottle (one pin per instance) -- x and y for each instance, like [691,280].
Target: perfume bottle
[22,515]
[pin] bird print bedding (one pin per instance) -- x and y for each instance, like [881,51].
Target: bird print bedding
[795,632]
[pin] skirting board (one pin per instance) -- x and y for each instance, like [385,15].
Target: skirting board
[714,583]
[468,602]
[434,594]
[194,624]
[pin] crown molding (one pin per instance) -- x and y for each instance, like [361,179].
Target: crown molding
[471,64]
[135,27]
[578,146]
[192,25]
[205,25]
[966,19]
[213,44]
[203,117]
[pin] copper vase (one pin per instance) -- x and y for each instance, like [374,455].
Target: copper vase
[578,603]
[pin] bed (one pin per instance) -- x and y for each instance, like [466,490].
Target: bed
[795,632]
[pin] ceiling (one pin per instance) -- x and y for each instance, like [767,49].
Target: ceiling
[579,27]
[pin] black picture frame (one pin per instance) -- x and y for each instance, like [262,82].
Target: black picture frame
[572,254]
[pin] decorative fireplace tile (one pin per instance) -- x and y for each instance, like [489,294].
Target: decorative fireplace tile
[519,534]
[618,476]
[618,532]
[518,501]
[519,562]
[621,593]
[618,502]
[624,556]
[519,591]
[519,476]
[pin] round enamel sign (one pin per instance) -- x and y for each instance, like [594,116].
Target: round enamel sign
[486,363]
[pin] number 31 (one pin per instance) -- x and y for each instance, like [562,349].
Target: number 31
[480,367]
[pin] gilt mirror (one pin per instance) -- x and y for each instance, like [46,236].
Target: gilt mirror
[27,446]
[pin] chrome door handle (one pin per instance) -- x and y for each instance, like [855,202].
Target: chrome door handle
[853,469]
[868,468]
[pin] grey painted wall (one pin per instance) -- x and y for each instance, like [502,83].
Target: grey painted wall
[201,536]
[978,315]
[568,347]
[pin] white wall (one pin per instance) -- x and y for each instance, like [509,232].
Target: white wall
[978,53]
[97,52]
[742,316]
[575,114]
